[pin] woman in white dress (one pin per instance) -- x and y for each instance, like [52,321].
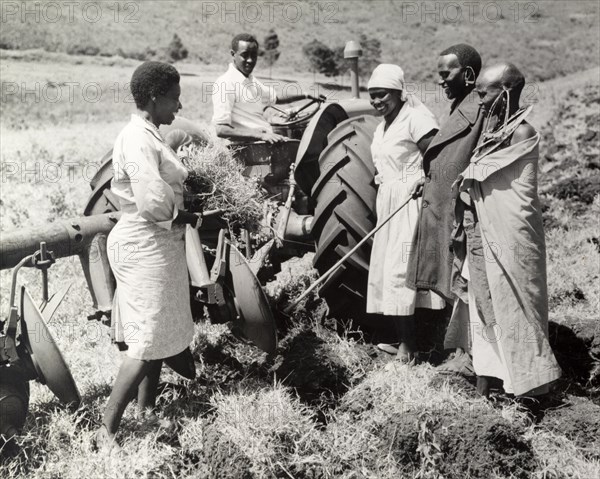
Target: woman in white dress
[146,248]
[397,149]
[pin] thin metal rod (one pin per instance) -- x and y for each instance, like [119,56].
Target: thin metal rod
[15,271]
[295,114]
[280,233]
[353,64]
[331,270]
[44,267]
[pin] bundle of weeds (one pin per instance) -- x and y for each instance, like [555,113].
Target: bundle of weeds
[217,176]
[296,275]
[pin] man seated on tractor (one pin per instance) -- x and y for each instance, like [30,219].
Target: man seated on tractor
[239,98]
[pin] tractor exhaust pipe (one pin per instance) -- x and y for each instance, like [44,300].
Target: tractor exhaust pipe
[352,52]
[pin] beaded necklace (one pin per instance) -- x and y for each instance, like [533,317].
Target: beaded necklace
[496,136]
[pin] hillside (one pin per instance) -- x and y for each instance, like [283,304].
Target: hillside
[325,405]
[550,38]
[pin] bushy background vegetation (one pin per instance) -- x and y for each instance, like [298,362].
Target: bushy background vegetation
[547,36]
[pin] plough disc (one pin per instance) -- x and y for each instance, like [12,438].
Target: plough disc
[255,320]
[47,359]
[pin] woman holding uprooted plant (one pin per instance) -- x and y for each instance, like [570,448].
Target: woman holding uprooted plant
[151,306]
[397,149]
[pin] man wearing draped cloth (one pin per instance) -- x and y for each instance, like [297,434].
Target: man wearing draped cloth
[499,272]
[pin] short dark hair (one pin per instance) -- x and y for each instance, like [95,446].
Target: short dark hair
[467,56]
[152,78]
[242,37]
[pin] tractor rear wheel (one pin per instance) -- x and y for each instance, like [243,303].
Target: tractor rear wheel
[345,195]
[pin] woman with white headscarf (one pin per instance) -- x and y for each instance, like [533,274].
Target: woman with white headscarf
[397,149]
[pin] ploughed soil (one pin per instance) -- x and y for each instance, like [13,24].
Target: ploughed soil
[473,443]
[579,420]
[481,445]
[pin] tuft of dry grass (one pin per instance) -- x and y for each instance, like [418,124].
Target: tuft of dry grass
[270,428]
[559,458]
[216,175]
[295,277]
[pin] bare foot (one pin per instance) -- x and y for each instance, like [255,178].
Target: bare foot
[483,386]
[149,420]
[461,363]
[105,442]
[405,354]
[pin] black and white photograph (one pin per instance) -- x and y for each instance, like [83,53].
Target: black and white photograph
[352,239]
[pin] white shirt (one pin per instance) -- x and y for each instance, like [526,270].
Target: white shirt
[148,175]
[396,155]
[238,101]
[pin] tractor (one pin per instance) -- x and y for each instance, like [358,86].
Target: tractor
[327,205]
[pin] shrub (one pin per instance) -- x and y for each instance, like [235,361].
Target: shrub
[341,62]
[321,58]
[271,52]
[147,54]
[371,56]
[77,49]
[176,51]
[173,52]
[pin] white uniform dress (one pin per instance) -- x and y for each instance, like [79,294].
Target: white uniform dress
[399,164]
[146,250]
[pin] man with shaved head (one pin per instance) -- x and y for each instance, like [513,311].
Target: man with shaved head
[430,266]
[500,254]
[498,79]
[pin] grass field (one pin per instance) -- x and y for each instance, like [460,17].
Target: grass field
[326,405]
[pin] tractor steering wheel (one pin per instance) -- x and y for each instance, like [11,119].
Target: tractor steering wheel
[283,118]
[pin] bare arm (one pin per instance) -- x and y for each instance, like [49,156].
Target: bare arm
[186,218]
[522,133]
